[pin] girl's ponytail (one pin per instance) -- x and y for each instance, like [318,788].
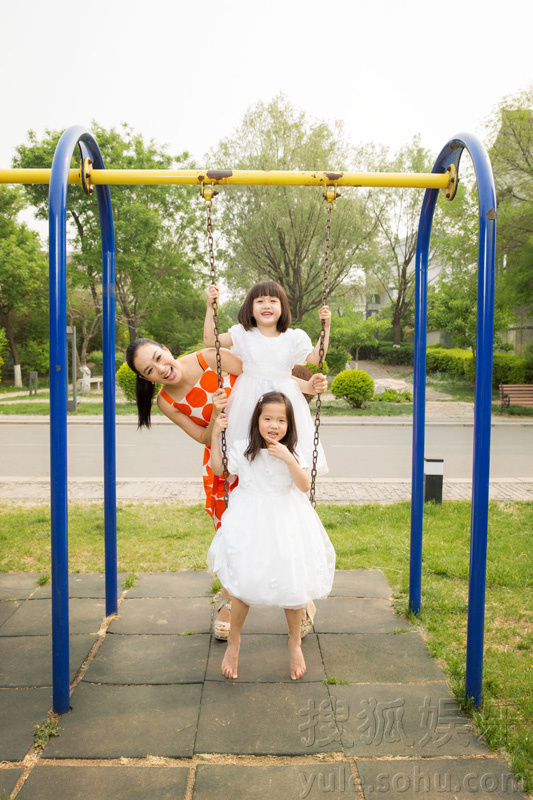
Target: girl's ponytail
[144,389]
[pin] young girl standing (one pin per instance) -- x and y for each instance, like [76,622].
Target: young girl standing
[271,549]
[269,350]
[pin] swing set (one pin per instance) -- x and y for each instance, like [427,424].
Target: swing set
[92,173]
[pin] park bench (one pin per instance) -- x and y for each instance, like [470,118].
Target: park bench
[517,394]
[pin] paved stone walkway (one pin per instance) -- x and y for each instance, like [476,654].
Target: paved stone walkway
[152,718]
[190,490]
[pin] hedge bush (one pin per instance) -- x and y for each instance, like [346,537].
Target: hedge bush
[127,379]
[438,359]
[97,358]
[353,385]
[337,358]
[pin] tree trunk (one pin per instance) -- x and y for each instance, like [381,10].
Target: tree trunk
[4,319]
[357,357]
[397,330]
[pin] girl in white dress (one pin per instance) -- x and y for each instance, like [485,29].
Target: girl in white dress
[269,350]
[271,549]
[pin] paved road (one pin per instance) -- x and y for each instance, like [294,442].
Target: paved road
[354,452]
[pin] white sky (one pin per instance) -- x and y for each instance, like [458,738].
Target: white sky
[185,73]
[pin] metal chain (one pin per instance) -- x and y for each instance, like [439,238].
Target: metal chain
[316,440]
[224,449]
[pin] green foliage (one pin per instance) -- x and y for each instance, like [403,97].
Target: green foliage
[314,368]
[511,132]
[127,380]
[388,354]
[337,358]
[35,356]
[44,732]
[393,396]
[438,359]
[354,386]
[275,232]
[509,369]
[158,230]
[97,358]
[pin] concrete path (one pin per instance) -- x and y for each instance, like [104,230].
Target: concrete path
[152,718]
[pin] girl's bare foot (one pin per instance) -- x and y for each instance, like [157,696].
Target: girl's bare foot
[297,661]
[231,660]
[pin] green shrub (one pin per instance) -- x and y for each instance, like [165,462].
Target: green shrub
[314,368]
[127,379]
[354,386]
[439,359]
[3,347]
[97,359]
[509,369]
[337,358]
[35,356]
[393,396]
[405,354]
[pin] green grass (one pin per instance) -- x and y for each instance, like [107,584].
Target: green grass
[455,385]
[166,537]
[337,408]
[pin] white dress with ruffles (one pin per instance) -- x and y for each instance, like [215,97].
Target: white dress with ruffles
[267,364]
[271,548]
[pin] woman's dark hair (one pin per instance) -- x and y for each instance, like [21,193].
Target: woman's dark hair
[257,442]
[265,289]
[144,389]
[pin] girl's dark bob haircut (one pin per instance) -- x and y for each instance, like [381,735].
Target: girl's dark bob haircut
[265,289]
[144,389]
[257,442]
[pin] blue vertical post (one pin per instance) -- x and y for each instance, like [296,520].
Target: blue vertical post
[57,198]
[58,394]
[90,149]
[451,154]
[482,420]
[419,398]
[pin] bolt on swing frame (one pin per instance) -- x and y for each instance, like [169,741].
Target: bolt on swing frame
[92,173]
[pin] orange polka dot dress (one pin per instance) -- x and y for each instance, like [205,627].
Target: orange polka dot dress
[198,405]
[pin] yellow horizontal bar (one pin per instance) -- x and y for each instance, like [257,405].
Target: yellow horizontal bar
[121,177]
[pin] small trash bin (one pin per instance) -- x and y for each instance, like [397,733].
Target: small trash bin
[433,477]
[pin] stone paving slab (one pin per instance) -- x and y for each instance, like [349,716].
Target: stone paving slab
[259,719]
[273,782]
[20,711]
[266,621]
[265,659]
[357,615]
[378,658]
[84,585]
[7,608]
[34,617]
[131,721]
[130,659]
[27,660]
[8,780]
[18,585]
[167,615]
[173,584]
[360,583]
[451,779]
[105,783]
[422,719]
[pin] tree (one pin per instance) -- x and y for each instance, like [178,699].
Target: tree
[279,232]
[511,131]
[390,262]
[158,261]
[23,270]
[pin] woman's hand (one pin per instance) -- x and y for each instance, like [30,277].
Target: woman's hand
[212,295]
[317,384]
[325,314]
[220,424]
[220,401]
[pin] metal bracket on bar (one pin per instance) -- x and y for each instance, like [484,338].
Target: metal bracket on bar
[208,192]
[330,194]
[86,168]
[451,191]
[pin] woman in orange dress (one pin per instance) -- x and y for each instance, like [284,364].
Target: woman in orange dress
[190,398]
